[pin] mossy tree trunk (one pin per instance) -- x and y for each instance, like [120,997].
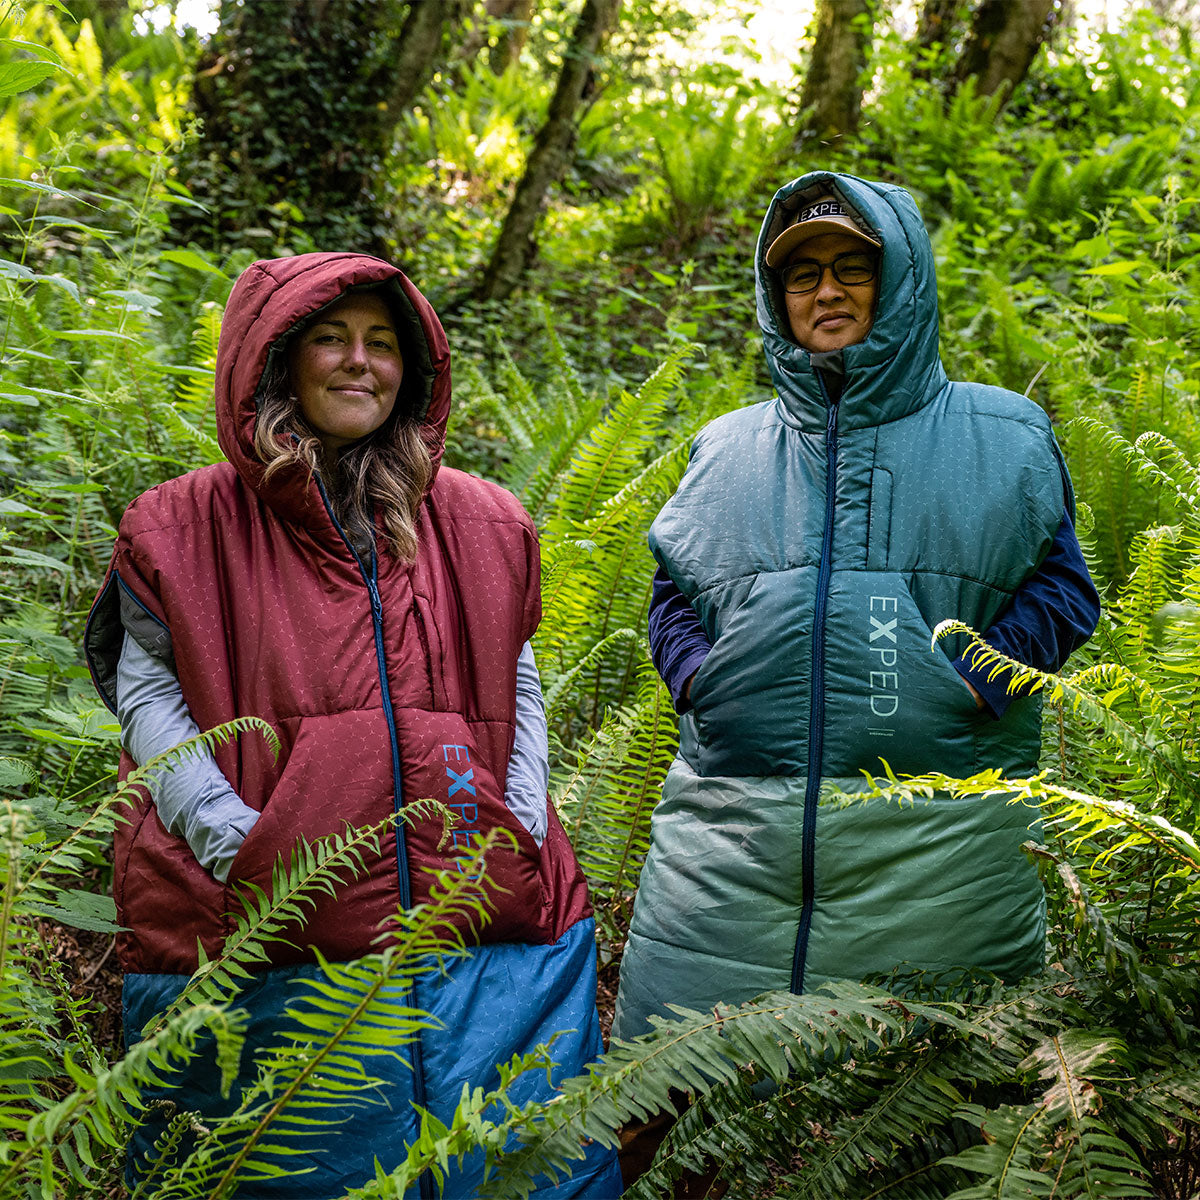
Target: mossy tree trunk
[420,50]
[514,16]
[299,101]
[515,248]
[508,21]
[939,24]
[832,96]
[1005,36]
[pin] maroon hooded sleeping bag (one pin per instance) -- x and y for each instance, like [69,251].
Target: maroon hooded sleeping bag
[386,682]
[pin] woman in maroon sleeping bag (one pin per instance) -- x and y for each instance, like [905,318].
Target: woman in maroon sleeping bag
[376,608]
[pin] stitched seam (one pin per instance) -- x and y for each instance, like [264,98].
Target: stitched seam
[377,708]
[850,571]
[442,520]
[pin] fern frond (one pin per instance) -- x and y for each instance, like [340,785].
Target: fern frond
[1120,956]
[1153,581]
[613,842]
[560,685]
[566,376]
[1084,814]
[472,1128]
[13,769]
[192,435]
[595,760]
[695,1052]
[561,561]
[1150,745]
[1163,1098]
[517,411]
[653,484]
[66,856]
[538,478]
[1090,1161]
[1009,1156]
[313,867]
[349,1014]
[1162,460]
[102,1103]
[616,447]
[1096,1163]
[872,1123]
[1153,457]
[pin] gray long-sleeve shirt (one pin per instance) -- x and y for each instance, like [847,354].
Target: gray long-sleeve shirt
[196,802]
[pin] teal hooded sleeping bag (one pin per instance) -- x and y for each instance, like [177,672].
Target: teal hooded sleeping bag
[819,542]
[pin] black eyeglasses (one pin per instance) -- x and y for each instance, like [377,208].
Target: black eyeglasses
[850,269]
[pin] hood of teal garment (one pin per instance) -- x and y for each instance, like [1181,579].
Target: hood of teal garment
[897,369]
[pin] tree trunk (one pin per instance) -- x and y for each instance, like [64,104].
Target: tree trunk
[419,52]
[1005,36]
[832,94]
[514,248]
[940,20]
[516,15]
[513,18]
[299,101]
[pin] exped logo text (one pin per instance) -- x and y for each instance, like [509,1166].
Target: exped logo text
[460,777]
[882,647]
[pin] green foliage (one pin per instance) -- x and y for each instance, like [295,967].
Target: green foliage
[473,131]
[275,75]
[1065,231]
[130,101]
[713,144]
[336,1025]
[62,1105]
[607,798]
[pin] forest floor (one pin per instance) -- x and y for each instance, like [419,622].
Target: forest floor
[91,970]
[606,995]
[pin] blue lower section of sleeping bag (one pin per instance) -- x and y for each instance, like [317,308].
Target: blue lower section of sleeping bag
[503,1000]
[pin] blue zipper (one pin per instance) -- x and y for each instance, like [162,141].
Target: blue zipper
[397,773]
[371,579]
[816,715]
[425,1183]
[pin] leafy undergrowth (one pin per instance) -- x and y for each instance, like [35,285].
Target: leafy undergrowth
[1065,232]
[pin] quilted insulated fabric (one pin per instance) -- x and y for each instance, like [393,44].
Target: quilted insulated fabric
[385,682]
[819,542]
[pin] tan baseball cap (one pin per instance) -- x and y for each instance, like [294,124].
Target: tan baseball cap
[826,215]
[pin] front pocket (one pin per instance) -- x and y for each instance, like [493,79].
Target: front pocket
[890,694]
[699,686]
[338,775]
[240,867]
[734,606]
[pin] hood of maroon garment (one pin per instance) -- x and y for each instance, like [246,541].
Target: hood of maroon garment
[269,299]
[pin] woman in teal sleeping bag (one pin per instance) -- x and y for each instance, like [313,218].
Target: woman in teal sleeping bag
[814,542]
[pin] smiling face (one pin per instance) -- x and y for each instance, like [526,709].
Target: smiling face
[834,315]
[345,370]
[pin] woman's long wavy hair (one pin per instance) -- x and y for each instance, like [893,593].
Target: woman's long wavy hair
[386,473]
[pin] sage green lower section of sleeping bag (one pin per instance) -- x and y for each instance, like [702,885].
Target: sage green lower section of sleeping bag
[933,884]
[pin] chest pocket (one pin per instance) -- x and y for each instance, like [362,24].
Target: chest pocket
[879,519]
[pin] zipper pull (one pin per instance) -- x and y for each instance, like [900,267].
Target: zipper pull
[376,603]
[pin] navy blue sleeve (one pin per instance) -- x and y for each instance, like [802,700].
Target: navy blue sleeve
[678,643]
[1052,614]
